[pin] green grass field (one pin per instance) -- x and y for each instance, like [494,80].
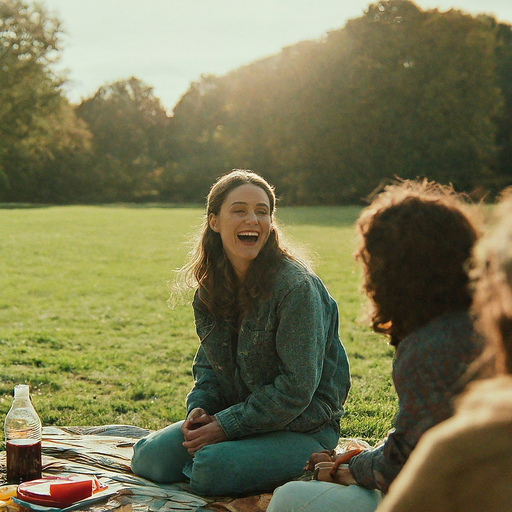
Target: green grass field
[84,317]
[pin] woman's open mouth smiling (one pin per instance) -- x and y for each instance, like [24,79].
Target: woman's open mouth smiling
[248,237]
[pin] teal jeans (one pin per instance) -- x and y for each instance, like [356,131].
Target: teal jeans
[248,465]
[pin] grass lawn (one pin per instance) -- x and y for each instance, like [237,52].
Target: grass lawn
[84,317]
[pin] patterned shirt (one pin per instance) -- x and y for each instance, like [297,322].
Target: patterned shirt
[429,370]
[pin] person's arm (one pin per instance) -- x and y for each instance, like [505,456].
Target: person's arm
[200,427]
[206,393]
[465,462]
[377,468]
[426,371]
[424,483]
[305,319]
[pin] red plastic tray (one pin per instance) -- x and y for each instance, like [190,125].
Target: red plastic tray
[60,492]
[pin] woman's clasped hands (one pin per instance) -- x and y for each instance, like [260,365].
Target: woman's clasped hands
[200,429]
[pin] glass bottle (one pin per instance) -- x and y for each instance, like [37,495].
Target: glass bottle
[22,433]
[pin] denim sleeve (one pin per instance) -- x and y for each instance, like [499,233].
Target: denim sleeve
[206,392]
[303,322]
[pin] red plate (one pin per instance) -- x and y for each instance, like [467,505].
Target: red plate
[60,492]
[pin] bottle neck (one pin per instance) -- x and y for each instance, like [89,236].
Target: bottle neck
[22,402]
[22,399]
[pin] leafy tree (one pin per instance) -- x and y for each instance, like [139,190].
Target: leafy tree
[36,122]
[52,168]
[131,142]
[398,91]
[201,150]
[503,120]
[421,97]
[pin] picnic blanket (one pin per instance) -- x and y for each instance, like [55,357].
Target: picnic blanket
[106,452]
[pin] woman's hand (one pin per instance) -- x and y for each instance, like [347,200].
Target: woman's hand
[200,430]
[195,419]
[343,476]
[332,471]
[323,456]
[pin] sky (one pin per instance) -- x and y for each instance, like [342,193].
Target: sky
[170,43]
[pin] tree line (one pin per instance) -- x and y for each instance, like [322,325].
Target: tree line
[396,92]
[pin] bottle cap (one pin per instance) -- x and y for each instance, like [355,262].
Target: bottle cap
[21,391]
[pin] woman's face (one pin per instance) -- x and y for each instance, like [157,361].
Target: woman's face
[244,224]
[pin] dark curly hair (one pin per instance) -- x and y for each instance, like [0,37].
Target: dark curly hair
[493,289]
[415,240]
[211,271]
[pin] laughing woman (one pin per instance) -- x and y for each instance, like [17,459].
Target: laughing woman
[270,375]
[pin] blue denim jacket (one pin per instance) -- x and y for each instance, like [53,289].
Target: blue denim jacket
[286,369]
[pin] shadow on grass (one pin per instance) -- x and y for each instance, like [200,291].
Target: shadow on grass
[23,206]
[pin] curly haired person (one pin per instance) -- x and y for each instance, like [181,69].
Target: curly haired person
[415,241]
[465,463]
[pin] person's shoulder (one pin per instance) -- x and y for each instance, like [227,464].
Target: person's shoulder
[292,273]
[199,307]
[449,324]
[450,329]
[446,344]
